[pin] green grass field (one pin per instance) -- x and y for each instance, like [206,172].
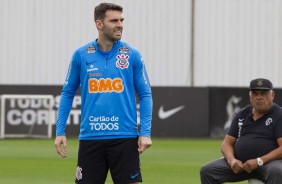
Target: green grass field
[168,161]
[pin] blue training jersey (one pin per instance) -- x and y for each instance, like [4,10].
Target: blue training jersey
[108,82]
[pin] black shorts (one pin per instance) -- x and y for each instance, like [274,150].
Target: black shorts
[97,157]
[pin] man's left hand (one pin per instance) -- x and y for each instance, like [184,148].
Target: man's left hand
[250,165]
[144,143]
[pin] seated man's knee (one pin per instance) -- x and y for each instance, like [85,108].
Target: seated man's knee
[277,172]
[275,168]
[204,170]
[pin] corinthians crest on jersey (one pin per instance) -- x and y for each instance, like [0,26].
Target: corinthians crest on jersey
[122,61]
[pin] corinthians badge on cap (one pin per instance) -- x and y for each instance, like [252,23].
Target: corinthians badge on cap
[261,84]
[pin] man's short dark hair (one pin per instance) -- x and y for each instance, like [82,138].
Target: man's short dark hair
[100,10]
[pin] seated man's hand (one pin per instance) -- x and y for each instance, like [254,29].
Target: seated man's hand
[236,166]
[250,165]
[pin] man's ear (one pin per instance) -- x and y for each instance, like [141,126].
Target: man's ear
[99,24]
[273,94]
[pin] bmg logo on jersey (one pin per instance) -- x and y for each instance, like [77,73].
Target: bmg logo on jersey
[104,123]
[105,85]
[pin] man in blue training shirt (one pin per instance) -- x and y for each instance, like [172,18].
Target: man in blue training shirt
[109,72]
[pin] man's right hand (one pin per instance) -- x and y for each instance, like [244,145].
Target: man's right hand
[236,166]
[61,146]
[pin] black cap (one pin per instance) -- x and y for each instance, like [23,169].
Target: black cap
[260,84]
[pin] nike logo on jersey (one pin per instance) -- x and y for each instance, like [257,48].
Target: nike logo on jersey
[166,114]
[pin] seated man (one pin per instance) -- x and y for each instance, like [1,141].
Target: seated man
[252,147]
